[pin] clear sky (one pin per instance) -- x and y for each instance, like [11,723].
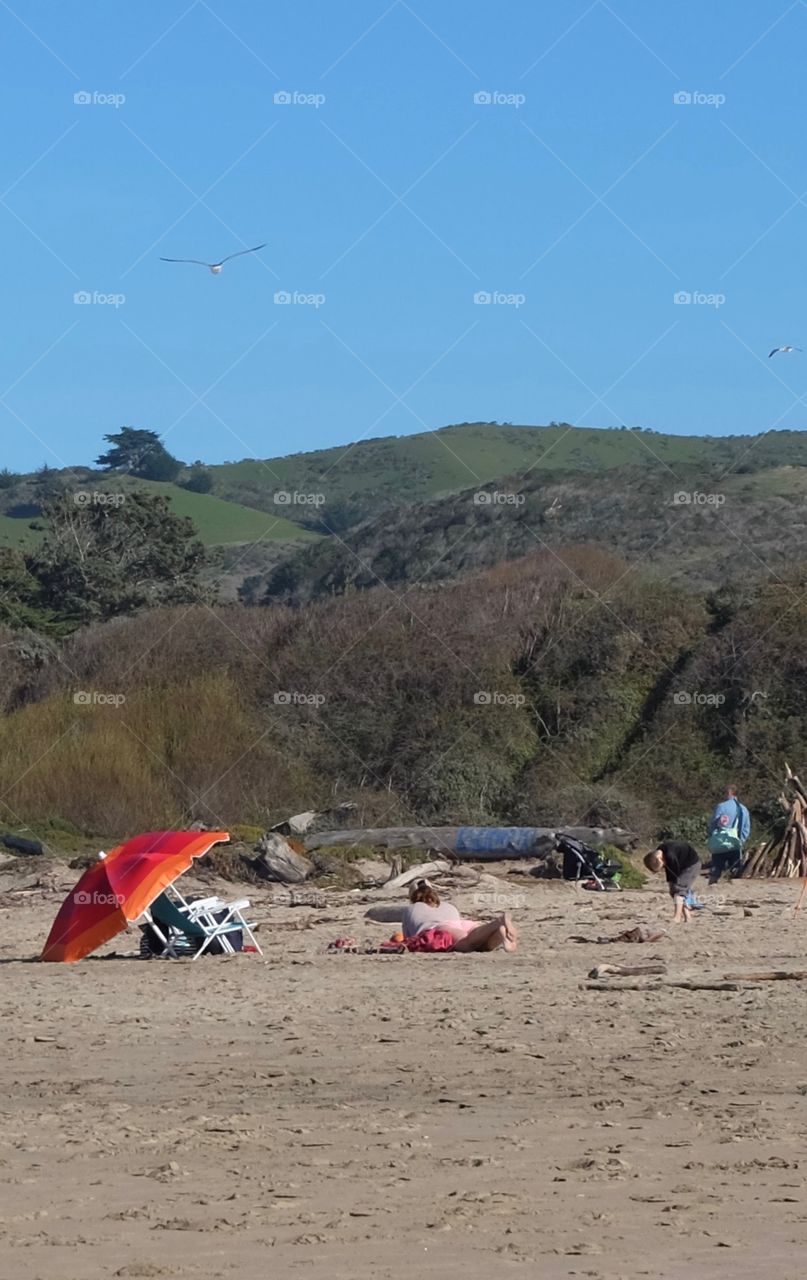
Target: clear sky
[581,199]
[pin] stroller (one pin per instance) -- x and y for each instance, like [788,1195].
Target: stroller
[581,862]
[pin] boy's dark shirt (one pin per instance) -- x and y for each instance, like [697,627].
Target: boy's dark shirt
[679,857]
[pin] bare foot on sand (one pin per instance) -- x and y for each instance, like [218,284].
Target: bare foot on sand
[509,933]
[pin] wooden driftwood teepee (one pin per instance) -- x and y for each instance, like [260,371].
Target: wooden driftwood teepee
[784,854]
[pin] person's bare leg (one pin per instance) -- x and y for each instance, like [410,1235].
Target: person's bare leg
[681,914]
[495,934]
[460,929]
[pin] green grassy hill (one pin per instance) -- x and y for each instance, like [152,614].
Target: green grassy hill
[219,522]
[729,527]
[359,480]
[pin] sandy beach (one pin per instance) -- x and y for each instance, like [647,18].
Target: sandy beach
[396,1116]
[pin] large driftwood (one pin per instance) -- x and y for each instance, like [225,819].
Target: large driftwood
[444,840]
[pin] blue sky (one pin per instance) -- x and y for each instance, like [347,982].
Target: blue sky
[581,199]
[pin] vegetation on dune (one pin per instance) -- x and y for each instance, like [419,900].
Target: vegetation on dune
[544,691]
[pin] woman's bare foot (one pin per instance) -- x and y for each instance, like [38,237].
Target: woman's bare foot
[509,933]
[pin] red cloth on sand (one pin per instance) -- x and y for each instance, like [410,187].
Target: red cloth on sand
[434,939]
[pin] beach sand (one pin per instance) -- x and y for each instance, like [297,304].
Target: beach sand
[415,1116]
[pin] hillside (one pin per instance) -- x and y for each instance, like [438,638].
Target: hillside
[752,525]
[358,480]
[218,521]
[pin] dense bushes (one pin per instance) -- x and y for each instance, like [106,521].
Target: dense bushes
[543,691]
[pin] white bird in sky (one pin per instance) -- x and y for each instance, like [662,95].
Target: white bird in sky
[785,351]
[215,267]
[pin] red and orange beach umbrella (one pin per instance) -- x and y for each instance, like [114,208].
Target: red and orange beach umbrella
[115,891]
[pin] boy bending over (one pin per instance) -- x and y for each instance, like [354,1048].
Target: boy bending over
[681,865]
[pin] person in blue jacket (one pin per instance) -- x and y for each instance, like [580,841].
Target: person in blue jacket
[729,828]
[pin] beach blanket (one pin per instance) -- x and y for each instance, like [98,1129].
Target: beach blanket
[511,842]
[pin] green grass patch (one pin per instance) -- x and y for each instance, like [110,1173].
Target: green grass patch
[630,877]
[16,534]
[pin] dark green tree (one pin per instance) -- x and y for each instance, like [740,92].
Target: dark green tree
[20,607]
[139,453]
[198,479]
[100,560]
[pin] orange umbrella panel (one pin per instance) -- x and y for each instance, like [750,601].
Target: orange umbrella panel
[116,890]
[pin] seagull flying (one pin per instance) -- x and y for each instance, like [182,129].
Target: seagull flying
[215,267]
[785,351]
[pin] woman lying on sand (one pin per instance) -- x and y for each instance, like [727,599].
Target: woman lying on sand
[432,925]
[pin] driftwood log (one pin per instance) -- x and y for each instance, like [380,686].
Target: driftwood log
[772,975]
[422,871]
[663,985]
[626,970]
[444,840]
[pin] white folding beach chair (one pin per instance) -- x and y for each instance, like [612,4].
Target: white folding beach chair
[188,929]
[216,914]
